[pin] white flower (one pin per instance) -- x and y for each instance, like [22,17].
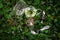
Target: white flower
[27,8]
[31,23]
[41,21]
[33,32]
[20,12]
[44,28]
[20,29]
[13,32]
[30,11]
[43,17]
[43,12]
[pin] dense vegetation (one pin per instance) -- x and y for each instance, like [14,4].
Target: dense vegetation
[10,32]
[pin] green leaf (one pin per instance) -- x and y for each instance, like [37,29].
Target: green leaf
[1,5]
[36,1]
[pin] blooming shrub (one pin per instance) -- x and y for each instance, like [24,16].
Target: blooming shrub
[10,25]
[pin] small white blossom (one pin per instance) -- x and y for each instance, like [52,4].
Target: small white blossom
[13,32]
[28,8]
[20,12]
[33,32]
[41,21]
[31,23]
[43,17]
[43,12]
[20,29]
[27,12]
[45,27]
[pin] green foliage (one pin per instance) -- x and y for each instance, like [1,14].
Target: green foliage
[10,32]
